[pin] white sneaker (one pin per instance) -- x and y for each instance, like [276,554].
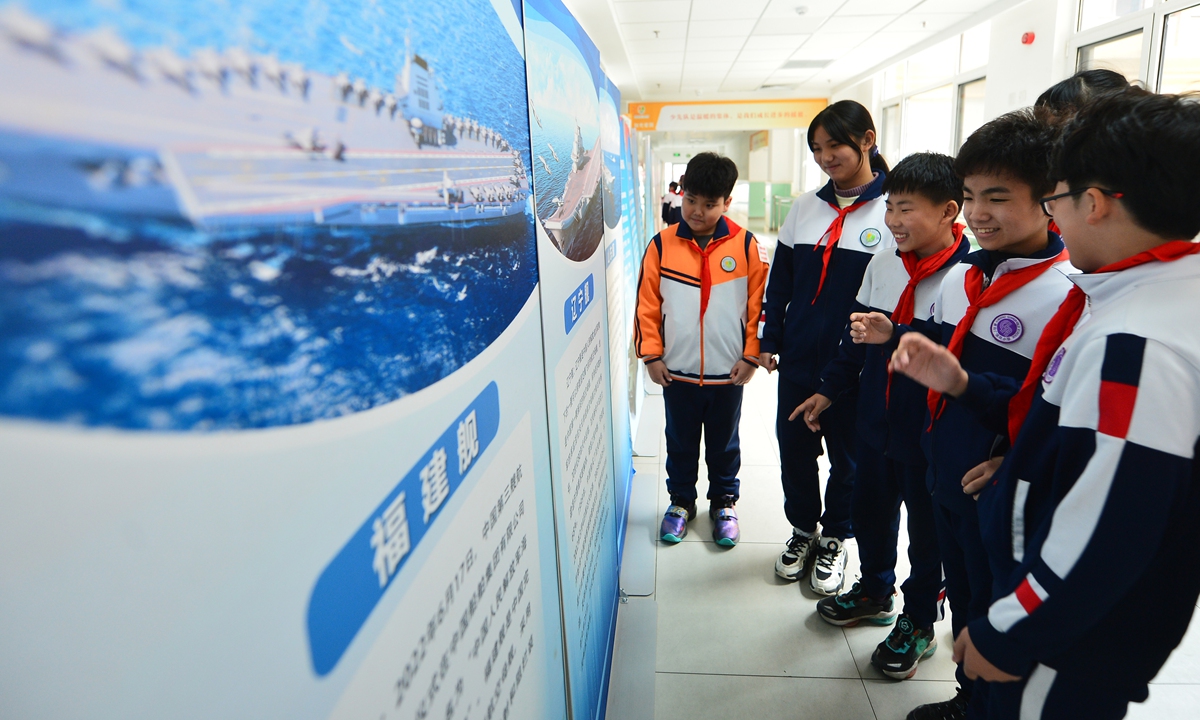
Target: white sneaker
[793,563]
[829,566]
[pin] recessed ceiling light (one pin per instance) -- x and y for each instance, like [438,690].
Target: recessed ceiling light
[805,64]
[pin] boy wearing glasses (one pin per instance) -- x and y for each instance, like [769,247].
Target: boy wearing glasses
[991,309]
[1099,495]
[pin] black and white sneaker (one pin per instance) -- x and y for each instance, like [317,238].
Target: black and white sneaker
[897,656]
[829,566]
[953,709]
[793,562]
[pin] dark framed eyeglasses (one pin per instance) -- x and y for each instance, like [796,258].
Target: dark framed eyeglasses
[1045,202]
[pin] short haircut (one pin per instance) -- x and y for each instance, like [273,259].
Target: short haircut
[1068,96]
[674,184]
[711,175]
[1017,144]
[930,175]
[1144,145]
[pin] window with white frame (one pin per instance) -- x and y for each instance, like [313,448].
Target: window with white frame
[933,99]
[1153,42]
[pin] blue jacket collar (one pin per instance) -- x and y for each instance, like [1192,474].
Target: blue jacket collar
[988,260]
[874,190]
[721,231]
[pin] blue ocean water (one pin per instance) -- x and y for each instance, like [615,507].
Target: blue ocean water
[110,321]
[142,321]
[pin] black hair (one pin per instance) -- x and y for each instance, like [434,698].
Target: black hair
[674,185]
[847,122]
[928,174]
[711,175]
[1017,144]
[1144,145]
[1068,96]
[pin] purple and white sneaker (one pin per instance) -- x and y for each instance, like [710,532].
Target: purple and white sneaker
[725,521]
[674,523]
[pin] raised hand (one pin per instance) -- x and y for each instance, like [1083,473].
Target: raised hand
[873,328]
[930,364]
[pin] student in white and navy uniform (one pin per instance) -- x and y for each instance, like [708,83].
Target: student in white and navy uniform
[991,311]
[924,197]
[1096,505]
[824,246]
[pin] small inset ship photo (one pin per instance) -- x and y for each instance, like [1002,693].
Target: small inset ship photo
[242,223]
[569,172]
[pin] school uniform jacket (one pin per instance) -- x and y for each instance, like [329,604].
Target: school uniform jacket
[889,421]
[803,332]
[1095,510]
[996,355]
[700,338]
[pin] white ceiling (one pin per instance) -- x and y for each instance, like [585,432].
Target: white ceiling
[684,49]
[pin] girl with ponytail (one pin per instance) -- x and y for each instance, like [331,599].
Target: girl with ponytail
[824,246]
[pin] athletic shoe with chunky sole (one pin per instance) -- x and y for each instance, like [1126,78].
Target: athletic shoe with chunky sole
[855,606]
[725,521]
[897,656]
[792,564]
[829,567]
[674,523]
[953,709]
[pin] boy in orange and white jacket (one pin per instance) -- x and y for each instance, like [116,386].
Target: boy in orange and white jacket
[699,301]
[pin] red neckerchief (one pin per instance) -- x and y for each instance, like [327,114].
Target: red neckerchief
[918,270]
[831,237]
[978,298]
[705,272]
[1063,324]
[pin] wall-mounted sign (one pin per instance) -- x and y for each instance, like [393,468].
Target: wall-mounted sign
[724,114]
[759,139]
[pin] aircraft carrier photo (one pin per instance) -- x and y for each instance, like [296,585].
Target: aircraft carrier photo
[231,138]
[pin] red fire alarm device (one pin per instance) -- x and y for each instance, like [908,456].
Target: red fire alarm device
[1028,38]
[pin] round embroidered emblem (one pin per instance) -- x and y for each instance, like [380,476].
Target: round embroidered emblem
[870,237]
[1007,328]
[932,307]
[1052,368]
[728,264]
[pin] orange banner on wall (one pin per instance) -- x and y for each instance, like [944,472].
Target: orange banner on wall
[725,114]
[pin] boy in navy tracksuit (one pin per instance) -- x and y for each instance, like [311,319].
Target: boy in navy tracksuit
[897,296]
[1098,499]
[990,311]
[824,246]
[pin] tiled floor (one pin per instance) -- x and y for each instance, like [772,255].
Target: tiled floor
[734,641]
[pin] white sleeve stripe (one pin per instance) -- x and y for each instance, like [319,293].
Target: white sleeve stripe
[1018,520]
[1033,697]
[1006,612]
[1077,515]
